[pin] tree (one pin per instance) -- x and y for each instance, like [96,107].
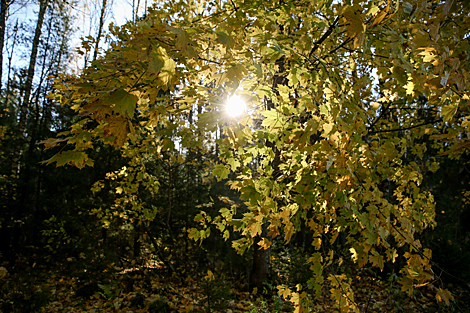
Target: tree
[100,29]
[369,88]
[3,19]
[25,193]
[43,4]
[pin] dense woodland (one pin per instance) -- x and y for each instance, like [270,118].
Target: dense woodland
[343,187]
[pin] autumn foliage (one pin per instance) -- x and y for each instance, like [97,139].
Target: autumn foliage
[350,105]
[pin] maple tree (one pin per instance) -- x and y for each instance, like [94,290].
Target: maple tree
[366,89]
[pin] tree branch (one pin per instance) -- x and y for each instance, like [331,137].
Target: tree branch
[324,37]
[348,40]
[379,117]
[404,128]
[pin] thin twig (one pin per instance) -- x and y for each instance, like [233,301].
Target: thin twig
[348,40]
[138,79]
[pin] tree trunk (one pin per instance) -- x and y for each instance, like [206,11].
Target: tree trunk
[137,243]
[42,79]
[260,270]
[10,58]
[100,29]
[29,80]
[137,11]
[3,19]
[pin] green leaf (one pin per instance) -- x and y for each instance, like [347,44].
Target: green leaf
[316,261]
[122,102]
[273,119]
[75,158]
[193,234]
[224,39]
[162,65]
[181,38]
[234,164]
[156,63]
[407,7]
[400,75]
[448,112]
[258,70]
[377,260]
[221,171]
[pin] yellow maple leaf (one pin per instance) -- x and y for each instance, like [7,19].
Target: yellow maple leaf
[444,295]
[264,243]
[356,28]
[117,127]
[380,17]
[209,276]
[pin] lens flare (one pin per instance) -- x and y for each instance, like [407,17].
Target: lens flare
[235,106]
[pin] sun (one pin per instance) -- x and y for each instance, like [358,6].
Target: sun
[235,106]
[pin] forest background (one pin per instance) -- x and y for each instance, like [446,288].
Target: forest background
[349,167]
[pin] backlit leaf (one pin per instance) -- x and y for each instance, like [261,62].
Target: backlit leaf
[122,102]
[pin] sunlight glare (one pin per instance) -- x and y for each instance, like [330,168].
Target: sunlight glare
[235,106]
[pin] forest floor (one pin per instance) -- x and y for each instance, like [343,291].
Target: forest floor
[148,289]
